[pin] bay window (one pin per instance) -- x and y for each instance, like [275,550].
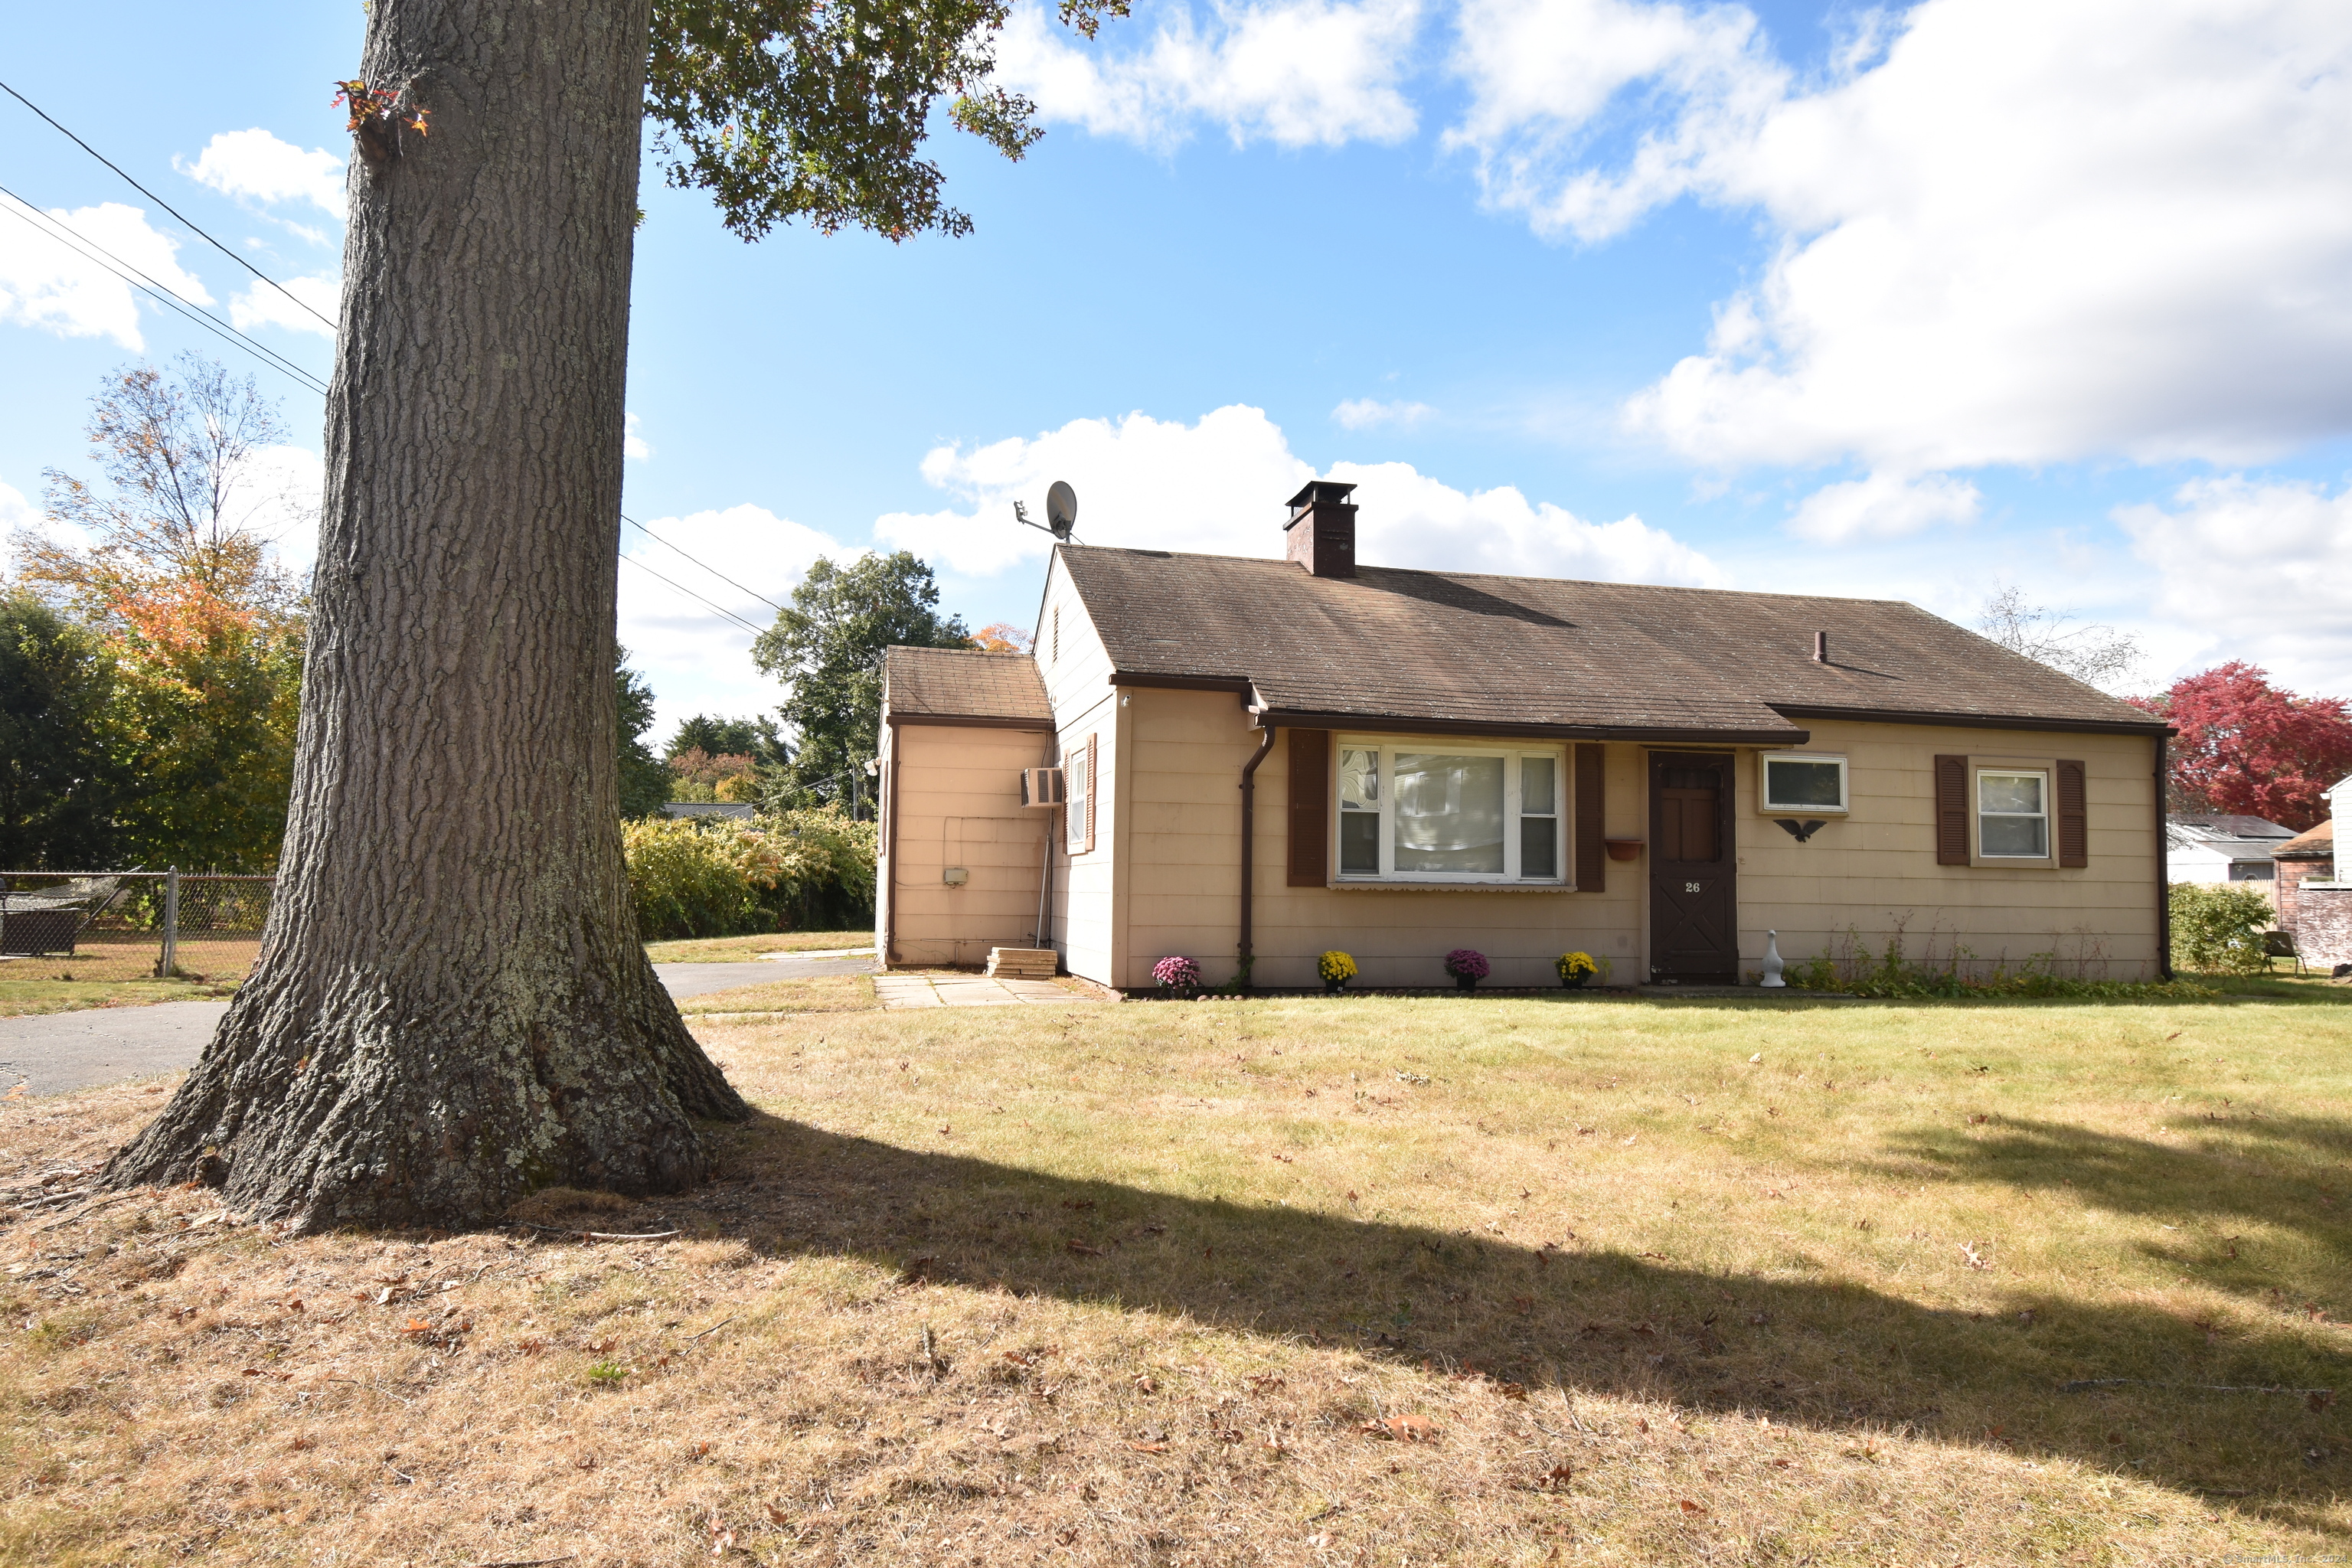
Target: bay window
[1432,811]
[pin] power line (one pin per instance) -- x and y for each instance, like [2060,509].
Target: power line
[159,202]
[731,582]
[90,249]
[692,595]
[270,356]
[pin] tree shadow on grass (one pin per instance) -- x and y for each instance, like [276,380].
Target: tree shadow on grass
[2230,1168]
[1826,1354]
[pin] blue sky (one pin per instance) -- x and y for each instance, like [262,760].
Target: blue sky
[1913,304]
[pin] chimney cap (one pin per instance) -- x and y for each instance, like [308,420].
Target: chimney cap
[1318,491]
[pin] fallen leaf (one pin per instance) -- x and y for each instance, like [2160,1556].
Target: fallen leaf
[1512,1390]
[1148,1447]
[1779,1464]
[945,1127]
[1264,1383]
[1557,1476]
[1286,1159]
[585,1462]
[1690,1507]
[1144,1384]
[777,1516]
[415,1326]
[1081,1248]
[1411,1428]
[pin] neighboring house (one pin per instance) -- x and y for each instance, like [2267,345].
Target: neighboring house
[742,808]
[1265,759]
[2322,914]
[2223,848]
[2305,857]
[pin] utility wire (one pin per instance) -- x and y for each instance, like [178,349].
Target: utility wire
[272,357]
[692,595]
[731,582]
[25,212]
[159,202]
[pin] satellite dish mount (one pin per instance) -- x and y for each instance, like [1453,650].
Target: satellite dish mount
[1061,512]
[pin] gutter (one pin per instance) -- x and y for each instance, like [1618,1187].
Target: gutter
[1975,721]
[1249,850]
[2163,866]
[890,919]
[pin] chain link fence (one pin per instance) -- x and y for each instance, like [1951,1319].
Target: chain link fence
[131,925]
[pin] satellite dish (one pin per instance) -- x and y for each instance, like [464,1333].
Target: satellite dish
[1061,509]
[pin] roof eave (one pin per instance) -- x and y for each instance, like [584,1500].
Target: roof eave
[1686,735]
[2151,727]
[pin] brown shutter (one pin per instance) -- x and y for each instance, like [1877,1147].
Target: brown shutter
[1589,867]
[2074,815]
[1310,807]
[1094,788]
[1951,811]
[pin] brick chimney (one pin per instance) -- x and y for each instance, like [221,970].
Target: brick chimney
[1322,532]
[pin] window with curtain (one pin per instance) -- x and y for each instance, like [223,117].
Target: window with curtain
[1409,811]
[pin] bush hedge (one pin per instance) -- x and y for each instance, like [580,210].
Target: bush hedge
[811,869]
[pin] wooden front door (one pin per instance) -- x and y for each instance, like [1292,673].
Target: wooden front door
[1693,892]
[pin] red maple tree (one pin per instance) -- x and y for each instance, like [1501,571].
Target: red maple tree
[2246,748]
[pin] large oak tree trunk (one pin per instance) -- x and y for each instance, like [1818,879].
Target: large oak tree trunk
[451,1006]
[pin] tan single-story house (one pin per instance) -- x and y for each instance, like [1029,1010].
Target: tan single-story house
[1248,761]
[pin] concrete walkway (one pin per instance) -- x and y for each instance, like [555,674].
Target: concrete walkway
[968,990]
[53,1052]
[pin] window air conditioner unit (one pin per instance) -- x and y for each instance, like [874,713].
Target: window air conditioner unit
[1042,786]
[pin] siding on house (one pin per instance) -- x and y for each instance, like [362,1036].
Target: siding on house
[1077,670]
[956,801]
[1865,878]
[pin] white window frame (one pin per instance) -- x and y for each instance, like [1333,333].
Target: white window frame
[1387,746]
[1078,796]
[2048,815]
[1772,807]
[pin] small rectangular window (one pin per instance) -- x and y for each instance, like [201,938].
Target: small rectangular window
[2012,816]
[1077,790]
[1360,813]
[1538,817]
[1804,781]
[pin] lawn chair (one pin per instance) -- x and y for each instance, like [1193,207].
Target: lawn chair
[49,920]
[2281,944]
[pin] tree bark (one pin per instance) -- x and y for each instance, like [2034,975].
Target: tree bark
[451,1006]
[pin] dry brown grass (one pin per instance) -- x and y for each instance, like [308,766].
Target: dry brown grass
[744,949]
[1144,1284]
[118,970]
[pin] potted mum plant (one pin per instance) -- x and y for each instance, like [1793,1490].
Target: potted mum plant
[1178,975]
[1468,966]
[1575,968]
[1336,969]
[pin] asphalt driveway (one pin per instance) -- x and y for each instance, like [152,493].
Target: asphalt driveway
[53,1052]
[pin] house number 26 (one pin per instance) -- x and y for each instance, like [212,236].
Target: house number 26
[1690,887]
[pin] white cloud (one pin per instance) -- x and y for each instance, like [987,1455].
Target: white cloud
[254,165]
[2264,569]
[1364,412]
[262,306]
[48,283]
[1545,76]
[2028,232]
[1884,506]
[697,659]
[16,511]
[1293,72]
[634,447]
[1218,486]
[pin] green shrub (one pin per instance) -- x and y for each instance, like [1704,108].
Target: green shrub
[2217,927]
[705,876]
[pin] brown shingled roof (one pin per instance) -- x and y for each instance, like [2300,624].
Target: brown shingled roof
[1535,653]
[2316,844]
[940,683]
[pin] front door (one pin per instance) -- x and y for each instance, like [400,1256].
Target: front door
[1694,904]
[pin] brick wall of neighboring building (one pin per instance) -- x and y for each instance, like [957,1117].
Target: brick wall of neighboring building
[2324,922]
[2291,874]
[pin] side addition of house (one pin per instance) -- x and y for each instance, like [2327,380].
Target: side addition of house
[1261,759]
